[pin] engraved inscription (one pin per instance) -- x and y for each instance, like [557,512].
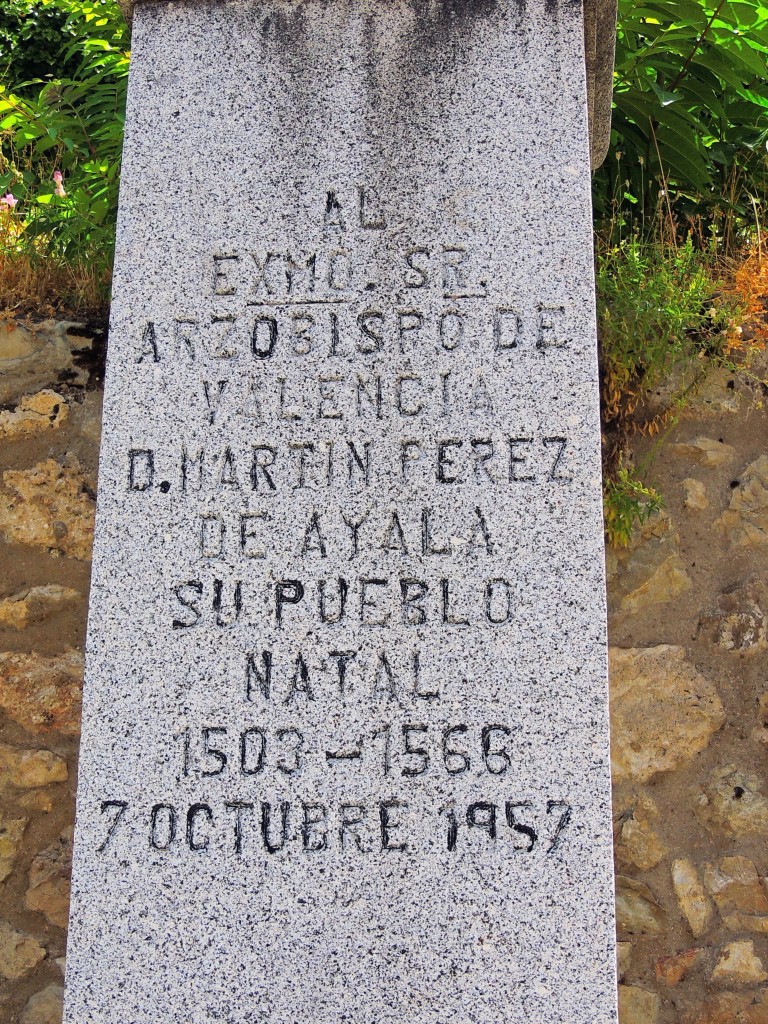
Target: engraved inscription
[344,449]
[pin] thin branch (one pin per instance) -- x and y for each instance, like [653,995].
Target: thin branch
[695,50]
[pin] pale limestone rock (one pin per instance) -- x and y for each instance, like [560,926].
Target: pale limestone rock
[705,394]
[694,903]
[739,965]
[44,1007]
[760,732]
[745,521]
[649,571]
[88,416]
[33,356]
[33,605]
[19,953]
[712,396]
[49,507]
[732,803]
[35,414]
[49,876]
[737,622]
[666,581]
[663,712]
[638,1005]
[16,341]
[705,451]
[695,495]
[739,894]
[42,694]
[36,800]
[29,769]
[11,834]
[637,844]
[623,958]
[670,970]
[732,1008]
[637,911]
[750,1007]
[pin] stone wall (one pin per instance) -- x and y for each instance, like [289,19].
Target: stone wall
[688,691]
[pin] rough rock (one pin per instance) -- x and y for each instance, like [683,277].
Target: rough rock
[695,497]
[36,800]
[637,1005]
[19,953]
[88,416]
[637,910]
[42,694]
[49,877]
[737,622]
[663,712]
[649,571]
[760,732]
[711,396]
[706,394]
[739,965]
[705,451]
[749,1007]
[35,604]
[739,894]
[44,1007]
[35,355]
[35,414]
[695,904]
[29,769]
[623,958]
[745,521]
[670,970]
[732,803]
[665,580]
[11,834]
[49,507]
[637,845]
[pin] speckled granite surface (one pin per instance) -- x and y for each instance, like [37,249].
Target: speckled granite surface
[345,742]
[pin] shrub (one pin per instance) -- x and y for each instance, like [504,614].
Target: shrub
[664,317]
[657,306]
[690,117]
[627,501]
[31,36]
[61,149]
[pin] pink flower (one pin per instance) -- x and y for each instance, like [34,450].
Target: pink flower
[9,200]
[58,177]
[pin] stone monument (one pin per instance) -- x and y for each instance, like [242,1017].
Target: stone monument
[345,737]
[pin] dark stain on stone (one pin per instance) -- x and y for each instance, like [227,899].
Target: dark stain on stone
[448,17]
[286,28]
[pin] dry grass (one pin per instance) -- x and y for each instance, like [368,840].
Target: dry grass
[749,282]
[32,281]
[45,287]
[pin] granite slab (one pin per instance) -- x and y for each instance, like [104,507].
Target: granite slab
[345,738]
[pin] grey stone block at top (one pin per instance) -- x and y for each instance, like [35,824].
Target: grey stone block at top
[345,739]
[599,52]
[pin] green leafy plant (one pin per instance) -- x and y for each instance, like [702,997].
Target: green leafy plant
[61,149]
[656,306]
[664,318]
[31,36]
[690,116]
[627,502]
